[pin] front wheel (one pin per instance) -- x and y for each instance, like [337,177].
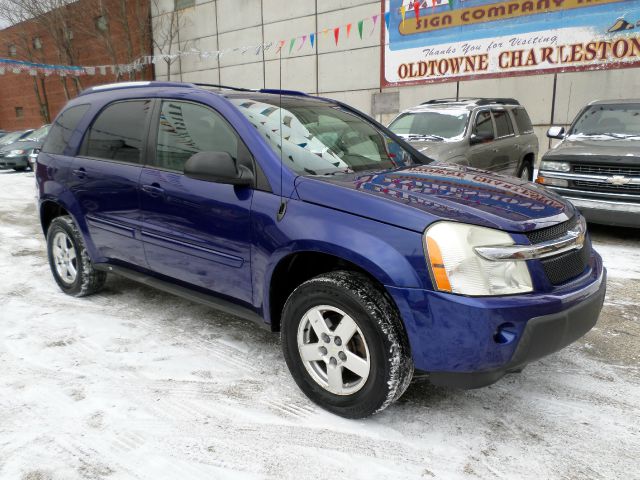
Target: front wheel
[525,172]
[344,344]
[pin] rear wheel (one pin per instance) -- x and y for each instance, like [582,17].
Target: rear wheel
[344,344]
[69,260]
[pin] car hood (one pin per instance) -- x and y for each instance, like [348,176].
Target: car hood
[415,197]
[436,149]
[595,148]
[27,145]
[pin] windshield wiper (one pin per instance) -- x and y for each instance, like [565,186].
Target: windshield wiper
[416,136]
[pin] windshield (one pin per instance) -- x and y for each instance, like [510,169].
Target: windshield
[442,124]
[10,138]
[320,138]
[38,135]
[611,121]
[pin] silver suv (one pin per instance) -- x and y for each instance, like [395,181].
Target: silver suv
[489,133]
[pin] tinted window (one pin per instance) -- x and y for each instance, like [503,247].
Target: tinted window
[186,129]
[483,123]
[62,128]
[503,123]
[522,120]
[118,132]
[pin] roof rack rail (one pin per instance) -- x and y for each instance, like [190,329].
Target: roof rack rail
[283,92]
[226,87]
[138,84]
[475,101]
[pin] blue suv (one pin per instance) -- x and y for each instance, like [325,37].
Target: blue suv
[375,264]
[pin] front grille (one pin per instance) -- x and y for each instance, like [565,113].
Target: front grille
[607,187]
[608,170]
[551,233]
[566,266]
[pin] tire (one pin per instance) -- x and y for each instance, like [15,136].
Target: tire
[69,261]
[526,173]
[346,302]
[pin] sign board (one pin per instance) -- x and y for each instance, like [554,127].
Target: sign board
[450,40]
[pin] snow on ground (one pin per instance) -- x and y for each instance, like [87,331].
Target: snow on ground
[135,384]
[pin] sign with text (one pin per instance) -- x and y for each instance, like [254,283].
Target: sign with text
[448,40]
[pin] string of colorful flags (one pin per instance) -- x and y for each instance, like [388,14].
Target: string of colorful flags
[339,33]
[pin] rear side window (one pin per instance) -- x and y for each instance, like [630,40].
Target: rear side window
[503,123]
[61,130]
[522,120]
[186,129]
[118,132]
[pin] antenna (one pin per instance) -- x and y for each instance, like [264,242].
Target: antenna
[283,204]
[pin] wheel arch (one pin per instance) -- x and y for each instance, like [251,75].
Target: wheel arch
[296,267]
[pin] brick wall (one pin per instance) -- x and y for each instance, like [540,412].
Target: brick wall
[18,90]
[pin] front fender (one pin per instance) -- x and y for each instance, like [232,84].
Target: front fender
[392,255]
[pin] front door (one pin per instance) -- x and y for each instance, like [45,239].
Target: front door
[481,155]
[104,180]
[506,143]
[195,231]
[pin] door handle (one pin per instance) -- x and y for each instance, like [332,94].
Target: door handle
[80,172]
[153,190]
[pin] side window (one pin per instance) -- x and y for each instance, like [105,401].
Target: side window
[186,129]
[118,132]
[483,126]
[522,120]
[61,130]
[503,123]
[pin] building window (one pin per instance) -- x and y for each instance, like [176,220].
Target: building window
[101,23]
[13,50]
[37,43]
[19,112]
[180,4]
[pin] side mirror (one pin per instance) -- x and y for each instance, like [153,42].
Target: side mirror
[218,167]
[477,138]
[556,132]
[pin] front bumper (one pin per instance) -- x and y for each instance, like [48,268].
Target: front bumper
[14,162]
[470,342]
[608,212]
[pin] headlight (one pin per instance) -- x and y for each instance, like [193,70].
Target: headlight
[555,166]
[15,153]
[457,268]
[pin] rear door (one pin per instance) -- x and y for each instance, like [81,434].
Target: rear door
[104,180]
[482,155]
[195,231]
[507,153]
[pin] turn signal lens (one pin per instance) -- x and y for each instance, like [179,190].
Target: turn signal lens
[437,266]
[553,182]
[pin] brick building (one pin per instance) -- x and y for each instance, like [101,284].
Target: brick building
[89,32]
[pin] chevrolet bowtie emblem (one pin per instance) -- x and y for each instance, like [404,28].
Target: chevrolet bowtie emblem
[618,180]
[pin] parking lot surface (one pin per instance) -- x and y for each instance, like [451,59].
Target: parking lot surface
[133,383]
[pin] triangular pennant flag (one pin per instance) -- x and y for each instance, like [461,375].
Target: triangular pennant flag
[348,29]
[312,39]
[375,21]
[403,12]
[360,24]
[386,19]
[280,45]
[291,44]
[451,4]
[434,3]
[304,38]
[416,8]
[336,34]
[325,31]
